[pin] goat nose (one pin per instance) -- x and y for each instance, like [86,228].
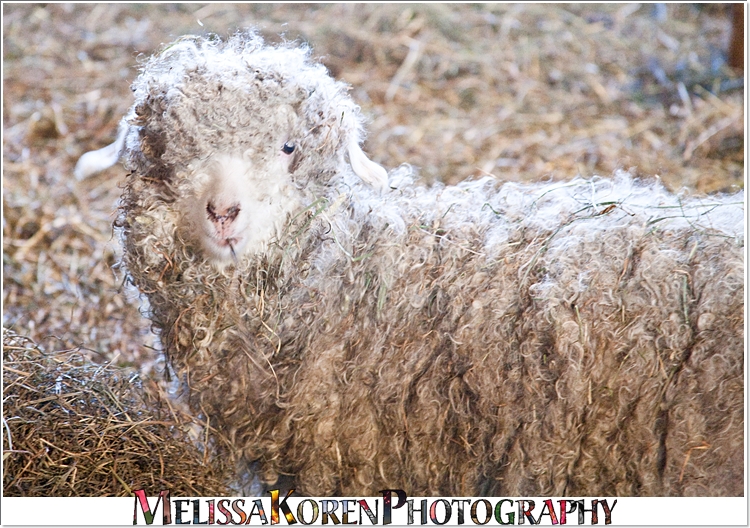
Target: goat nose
[222,214]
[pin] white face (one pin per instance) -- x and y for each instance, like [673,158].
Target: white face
[240,203]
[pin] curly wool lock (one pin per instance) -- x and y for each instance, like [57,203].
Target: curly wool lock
[482,339]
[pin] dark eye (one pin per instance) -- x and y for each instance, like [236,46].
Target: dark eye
[288,148]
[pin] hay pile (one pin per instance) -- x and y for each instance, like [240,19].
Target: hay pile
[72,428]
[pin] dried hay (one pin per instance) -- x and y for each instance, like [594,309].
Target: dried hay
[71,428]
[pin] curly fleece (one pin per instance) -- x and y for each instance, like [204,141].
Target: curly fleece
[495,339]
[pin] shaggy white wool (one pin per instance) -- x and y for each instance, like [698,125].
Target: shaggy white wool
[354,331]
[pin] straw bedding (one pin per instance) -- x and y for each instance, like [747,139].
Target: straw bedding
[72,428]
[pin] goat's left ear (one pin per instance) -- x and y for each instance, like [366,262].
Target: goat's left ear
[370,172]
[98,160]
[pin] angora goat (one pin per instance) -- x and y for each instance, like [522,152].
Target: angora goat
[355,332]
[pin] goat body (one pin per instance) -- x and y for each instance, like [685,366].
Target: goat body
[358,332]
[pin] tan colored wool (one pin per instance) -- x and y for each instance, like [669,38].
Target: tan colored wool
[484,339]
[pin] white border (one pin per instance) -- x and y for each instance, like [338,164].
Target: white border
[629,511]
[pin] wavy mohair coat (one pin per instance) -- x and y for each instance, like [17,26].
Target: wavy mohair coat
[364,332]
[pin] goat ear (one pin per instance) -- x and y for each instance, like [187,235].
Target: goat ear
[98,160]
[370,172]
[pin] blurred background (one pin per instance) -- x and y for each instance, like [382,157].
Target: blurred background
[520,91]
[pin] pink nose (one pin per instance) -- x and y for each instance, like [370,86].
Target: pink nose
[222,217]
